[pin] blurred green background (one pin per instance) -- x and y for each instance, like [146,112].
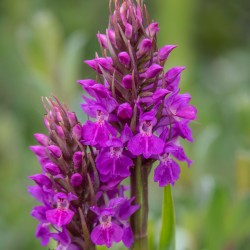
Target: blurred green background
[42,45]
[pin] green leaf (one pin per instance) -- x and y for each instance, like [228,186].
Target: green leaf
[167,236]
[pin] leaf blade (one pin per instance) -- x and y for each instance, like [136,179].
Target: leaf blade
[167,235]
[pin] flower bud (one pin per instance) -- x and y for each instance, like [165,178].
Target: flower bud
[152,29]
[144,46]
[41,180]
[128,31]
[58,115]
[55,151]
[42,139]
[152,71]
[125,111]
[171,75]
[77,132]
[39,151]
[164,52]
[160,94]
[124,59]
[60,132]
[127,81]
[102,39]
[52,168]
[46,122]
[72,118]
[111,35]
[77,159]
[76,180]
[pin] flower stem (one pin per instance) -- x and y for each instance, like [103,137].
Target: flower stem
[139,190]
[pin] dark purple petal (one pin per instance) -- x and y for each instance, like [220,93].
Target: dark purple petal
[125,210]
[104,163]
[126,133]
[136,144]
[128,237]
[122,166]
[39,212]
[43,233]
[183,130]
[41,195]
[62,238]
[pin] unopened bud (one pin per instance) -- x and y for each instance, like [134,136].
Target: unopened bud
[55,151]
[127,81]
[152,29]
[39,151]
[124,59]
[102,39]
[125,111]
[144,47]
[152,71]
[42,139]
[60,132]
[52,168]
[128,31]
[164,52]
[76,180]
[77,132]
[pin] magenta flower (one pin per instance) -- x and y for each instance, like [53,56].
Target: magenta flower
[167,172]
[146,143]
[113,162]
[113,223]
[61,215]
[97,133]
[107,231]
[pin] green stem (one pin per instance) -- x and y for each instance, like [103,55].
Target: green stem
[139,190]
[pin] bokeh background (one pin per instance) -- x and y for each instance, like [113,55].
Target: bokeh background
[42,45]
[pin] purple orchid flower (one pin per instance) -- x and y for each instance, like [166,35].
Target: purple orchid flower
[113,161]
[113,219]
[61,215]
[97,133]
[145,142]
[107,231]
[167,172]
